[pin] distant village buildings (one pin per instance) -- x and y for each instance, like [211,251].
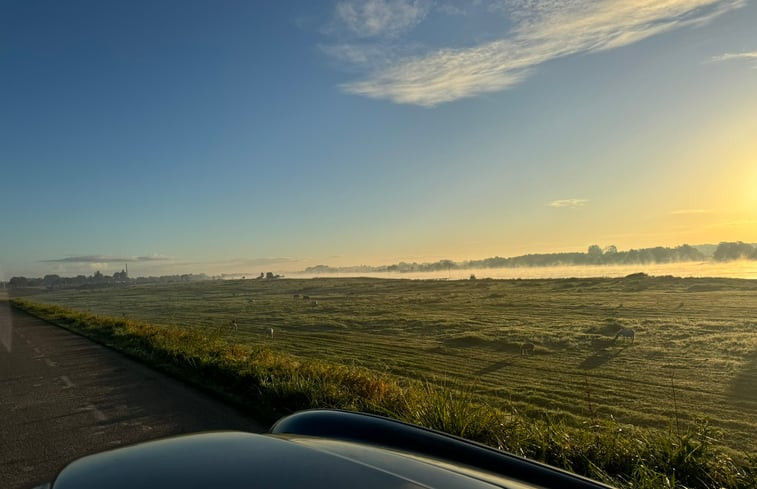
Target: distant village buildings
[123,275]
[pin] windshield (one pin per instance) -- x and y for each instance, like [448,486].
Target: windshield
[532,224]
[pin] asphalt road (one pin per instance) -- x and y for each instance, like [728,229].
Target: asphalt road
[63,397]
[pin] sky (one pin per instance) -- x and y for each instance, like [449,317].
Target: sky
[221,137]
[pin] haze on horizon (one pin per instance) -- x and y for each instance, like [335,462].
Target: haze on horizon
[195,137]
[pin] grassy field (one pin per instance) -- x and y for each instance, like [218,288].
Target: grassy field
[694,354]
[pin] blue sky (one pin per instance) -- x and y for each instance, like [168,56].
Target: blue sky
[246,136]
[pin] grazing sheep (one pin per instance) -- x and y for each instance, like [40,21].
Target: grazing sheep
[626,333]
[527,349]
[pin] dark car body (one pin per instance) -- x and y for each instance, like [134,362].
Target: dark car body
[314,449]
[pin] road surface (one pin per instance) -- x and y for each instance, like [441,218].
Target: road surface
[63,397]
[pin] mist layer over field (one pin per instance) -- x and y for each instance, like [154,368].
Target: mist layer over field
[746,269]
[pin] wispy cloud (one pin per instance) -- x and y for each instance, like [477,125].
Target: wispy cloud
[739,223]
[451,9]
[541,31]
[237,263]
[260,261]
[241,266]
[101,259]
[746,56]
[373,18]
[690,212]
[568,203]
[360,55]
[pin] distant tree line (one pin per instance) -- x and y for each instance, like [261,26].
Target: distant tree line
[98,279]
[267,276]
[735,251]
[595,255]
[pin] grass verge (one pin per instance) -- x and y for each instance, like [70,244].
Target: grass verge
[272,384]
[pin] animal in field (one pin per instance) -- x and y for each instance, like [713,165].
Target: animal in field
[296,296]
[305,297]
[626,334]
[269,332]
[527,349]
[234,325]
[313,303]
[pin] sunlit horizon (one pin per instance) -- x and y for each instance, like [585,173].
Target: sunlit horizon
[342,267]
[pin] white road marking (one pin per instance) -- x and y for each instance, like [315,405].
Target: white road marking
[50,363]
[67,381]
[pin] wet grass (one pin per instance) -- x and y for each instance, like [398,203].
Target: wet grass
[615,410]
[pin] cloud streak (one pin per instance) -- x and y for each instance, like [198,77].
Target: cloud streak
[568,203]
[541,31]
[690,212]
[373,18]
[244,262]
[746,56]
[99,259]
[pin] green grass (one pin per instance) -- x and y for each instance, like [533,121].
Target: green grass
[694,359]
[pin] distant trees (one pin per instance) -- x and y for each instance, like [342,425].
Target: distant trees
[729,251]
[594,255]
[18,282]
[268,276]
[594,250]
[98,280]
[51,280]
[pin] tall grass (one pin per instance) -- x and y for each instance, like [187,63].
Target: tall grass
[471,332]
[271,384]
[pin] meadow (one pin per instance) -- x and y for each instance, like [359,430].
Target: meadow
[694,355]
